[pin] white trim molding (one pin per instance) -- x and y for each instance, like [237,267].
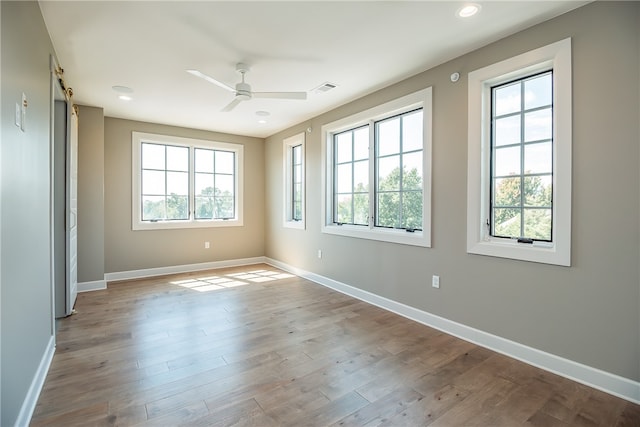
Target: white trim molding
[616,385]
[175,269]
[31,399]
[95,285]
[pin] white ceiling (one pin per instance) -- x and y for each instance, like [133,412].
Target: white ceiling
[360,46]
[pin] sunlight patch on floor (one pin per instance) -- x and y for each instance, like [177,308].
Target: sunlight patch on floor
[232,280]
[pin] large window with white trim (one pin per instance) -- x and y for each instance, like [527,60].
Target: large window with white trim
[519,162]
[378,172]
[185,183]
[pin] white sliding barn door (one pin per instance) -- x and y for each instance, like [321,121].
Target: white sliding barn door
[72,212]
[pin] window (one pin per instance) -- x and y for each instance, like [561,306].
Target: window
[377,172]
[294,182]
[185,183]
[519,162]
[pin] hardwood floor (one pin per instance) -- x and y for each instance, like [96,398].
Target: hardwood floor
[254,346]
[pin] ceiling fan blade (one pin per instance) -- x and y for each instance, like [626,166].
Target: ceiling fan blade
[280,95]
[210,80]
[232,105]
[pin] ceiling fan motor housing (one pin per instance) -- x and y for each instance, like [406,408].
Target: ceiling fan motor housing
[243,91]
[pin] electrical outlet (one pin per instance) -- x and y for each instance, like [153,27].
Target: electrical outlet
[206,245]
[435,282]
[319,253]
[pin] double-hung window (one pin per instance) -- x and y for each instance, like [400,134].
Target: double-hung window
[378,172]
[185,183]
[294,181]
[519,158]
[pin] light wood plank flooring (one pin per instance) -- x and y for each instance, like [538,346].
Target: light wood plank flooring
[254,346]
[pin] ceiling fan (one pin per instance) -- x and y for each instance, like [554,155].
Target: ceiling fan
[243,91]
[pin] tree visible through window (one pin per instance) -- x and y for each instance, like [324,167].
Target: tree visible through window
[522,158]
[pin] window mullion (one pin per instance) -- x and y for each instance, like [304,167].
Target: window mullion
[191,197]
[522,146]
[373,181]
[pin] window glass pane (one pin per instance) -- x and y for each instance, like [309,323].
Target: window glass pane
[412,171]
[388,210]
[224,185]
[297,210]
[507,161]
[344,184]
[538,158]
[204,160]
[177,158]
[506,192]
[361,209]
[344,147]
[295,154]
[223,207]
[204,207]
[537,191]
[507,131]
[297,192]
[389,173]
[178,183]
[537,125]
[153,208]
[507,99]
[225,162]
[177,207]
[388,136]
[412,131]
[344,212]
[537,91]
[297,173]
[537,224]
[153,156]
[204,184]
[412,209]
[153,182]
[361,176]
[361,143]
[506,222]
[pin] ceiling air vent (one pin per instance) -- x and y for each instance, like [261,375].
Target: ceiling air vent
[324,87]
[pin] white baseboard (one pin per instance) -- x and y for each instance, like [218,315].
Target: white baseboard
[616,385]
[31,399]
[162,271]
[96,285]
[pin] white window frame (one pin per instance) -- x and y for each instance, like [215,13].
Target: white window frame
[137,138]
[287,147]
[556,56]
[420,99]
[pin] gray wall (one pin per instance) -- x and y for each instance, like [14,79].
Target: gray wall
[127,250]
[26,293]
[588,312]
[90,194]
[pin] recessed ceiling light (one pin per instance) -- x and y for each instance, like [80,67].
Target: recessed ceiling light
[468,10]
[125,98]
[262,121]
[122,89]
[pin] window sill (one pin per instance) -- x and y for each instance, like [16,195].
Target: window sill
[172,225]
[540,252]
[417,238]
[299,225]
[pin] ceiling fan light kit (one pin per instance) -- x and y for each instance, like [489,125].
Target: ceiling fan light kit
[242,90]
